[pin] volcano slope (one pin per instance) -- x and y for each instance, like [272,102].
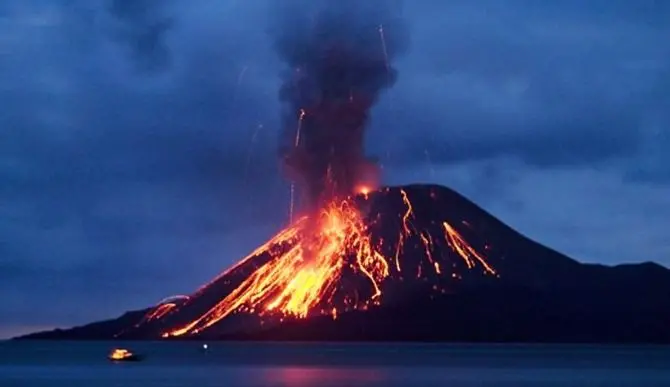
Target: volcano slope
[412,263]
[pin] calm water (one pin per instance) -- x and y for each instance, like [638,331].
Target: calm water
[34,364]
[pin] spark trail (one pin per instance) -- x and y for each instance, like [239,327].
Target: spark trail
[384,50]
[295,146]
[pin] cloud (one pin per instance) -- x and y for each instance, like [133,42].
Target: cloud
[552,87]
[143,25]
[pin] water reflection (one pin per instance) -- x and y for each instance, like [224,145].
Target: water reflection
[323,377]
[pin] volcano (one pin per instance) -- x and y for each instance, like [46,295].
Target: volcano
[417,262]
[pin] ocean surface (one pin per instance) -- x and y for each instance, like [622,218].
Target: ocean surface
[75,364]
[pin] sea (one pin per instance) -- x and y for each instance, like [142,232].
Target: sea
[224,364]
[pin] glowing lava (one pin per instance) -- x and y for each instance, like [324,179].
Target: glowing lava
[296,281]
[305,273]
[365,190]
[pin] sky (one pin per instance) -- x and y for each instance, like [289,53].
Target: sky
[138,138]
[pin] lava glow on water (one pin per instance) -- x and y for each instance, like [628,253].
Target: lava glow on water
[303,276]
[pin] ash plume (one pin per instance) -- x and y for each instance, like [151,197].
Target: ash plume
[338,56]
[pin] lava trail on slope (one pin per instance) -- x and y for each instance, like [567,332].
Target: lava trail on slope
[357,253]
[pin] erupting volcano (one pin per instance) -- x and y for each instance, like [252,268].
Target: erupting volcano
[360,262]
[335,257]
[338,260]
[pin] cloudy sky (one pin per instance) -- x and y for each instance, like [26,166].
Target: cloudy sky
[138,138]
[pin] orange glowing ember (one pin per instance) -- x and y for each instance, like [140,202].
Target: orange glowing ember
[364,189]
[303,276]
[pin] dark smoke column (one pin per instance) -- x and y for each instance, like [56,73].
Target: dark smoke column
[339,55]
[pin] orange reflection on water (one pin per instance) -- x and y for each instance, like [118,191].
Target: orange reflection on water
[305,376]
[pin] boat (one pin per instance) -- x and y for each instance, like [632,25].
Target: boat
[120,354]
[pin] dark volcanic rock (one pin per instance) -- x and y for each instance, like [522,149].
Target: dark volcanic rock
[504,315]
[540,295]
[101,330]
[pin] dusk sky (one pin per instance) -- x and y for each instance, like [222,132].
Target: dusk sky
[138,138]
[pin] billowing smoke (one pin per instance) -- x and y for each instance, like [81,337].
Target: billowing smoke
[339,56]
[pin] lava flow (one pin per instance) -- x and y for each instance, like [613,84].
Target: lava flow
[330,264]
